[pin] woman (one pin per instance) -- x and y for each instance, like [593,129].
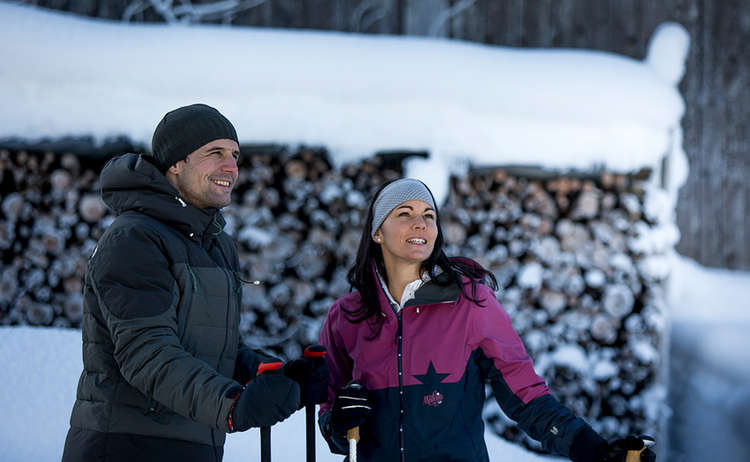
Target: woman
[411,348]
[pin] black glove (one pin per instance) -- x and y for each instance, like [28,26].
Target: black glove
[588,446]
[246,366]
[617,450]
[311,373]
[266,400]
[350,408]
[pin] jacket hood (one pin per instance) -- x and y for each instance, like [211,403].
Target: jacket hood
[131,183]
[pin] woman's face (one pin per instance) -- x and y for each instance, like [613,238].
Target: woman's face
[408,233]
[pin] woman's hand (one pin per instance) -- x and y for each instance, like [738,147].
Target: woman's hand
[351,408]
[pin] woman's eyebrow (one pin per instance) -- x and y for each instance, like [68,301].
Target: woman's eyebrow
[428,209]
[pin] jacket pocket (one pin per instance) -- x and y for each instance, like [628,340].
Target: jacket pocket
[156,412]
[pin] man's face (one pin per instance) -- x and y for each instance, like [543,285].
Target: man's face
[207,175]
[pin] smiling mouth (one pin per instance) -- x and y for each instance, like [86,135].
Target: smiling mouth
[417,241]
[223,183]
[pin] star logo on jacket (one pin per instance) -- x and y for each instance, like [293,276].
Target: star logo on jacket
[432,379]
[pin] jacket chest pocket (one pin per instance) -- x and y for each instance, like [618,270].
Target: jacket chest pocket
[208,309]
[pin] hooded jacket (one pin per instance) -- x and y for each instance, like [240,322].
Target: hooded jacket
[426,371]
[162,355]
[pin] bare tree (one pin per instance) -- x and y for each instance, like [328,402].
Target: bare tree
[186,12]
[448,14]
[366,14]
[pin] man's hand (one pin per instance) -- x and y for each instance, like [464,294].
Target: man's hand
[311,373]
[266,400]
[351,408]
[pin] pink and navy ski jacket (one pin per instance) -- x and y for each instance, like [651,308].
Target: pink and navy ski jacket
[426,372]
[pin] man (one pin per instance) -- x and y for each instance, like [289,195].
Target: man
[165,374]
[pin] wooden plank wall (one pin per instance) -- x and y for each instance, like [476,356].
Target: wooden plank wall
[713,211]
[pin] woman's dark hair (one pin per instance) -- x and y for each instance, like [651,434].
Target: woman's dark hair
[361,275]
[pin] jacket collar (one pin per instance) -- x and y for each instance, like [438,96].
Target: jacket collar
[439,289]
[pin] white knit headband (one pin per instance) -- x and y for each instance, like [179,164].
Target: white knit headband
[398,192]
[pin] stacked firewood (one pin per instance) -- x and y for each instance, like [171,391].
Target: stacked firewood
[51,219]
[568,252]
[298,223]
[578,283]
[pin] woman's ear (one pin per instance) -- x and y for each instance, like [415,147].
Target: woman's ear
[378,237]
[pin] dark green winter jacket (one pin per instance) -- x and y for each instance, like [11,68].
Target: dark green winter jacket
[161,348]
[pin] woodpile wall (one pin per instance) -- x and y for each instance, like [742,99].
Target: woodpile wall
[568,253]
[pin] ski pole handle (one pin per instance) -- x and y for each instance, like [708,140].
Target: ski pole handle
[352,435]
[266,367]
[314,351]
[265,432]
[635,455]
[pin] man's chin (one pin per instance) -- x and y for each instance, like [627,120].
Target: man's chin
[220,203]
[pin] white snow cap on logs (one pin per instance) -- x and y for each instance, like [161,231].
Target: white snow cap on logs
[453,99]
[668,50]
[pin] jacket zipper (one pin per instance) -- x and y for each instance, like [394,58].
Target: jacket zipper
[226,317]
[226,330]
[192,276]
[399,341]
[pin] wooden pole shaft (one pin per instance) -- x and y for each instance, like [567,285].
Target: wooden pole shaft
[352,436]
[634,456]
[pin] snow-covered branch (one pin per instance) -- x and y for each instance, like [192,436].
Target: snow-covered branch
[186,12]
[365,15]
[448,14]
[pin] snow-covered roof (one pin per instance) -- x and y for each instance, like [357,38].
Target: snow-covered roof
[63,75]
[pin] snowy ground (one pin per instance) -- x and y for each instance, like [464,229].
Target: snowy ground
[709,368]
[710,325]
[37,389]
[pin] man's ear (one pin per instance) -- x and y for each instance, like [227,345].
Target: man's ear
[176,168]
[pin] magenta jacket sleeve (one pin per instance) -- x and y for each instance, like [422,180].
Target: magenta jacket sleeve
[340,368]
[521,393]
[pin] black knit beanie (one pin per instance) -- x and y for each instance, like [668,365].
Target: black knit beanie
[184,130]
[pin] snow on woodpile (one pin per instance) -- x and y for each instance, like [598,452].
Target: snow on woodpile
[355,94]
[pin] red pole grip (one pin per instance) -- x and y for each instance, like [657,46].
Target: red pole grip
[314,351]
[265,367]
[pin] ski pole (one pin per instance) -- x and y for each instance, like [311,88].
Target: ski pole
[635,454]
[314,351]
[352,435]
[265,432]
